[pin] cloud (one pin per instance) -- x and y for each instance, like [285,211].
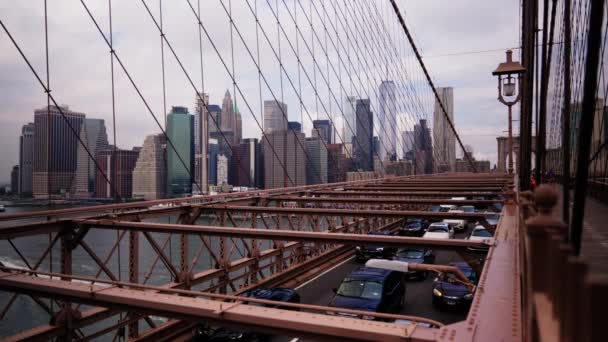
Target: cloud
[80,61]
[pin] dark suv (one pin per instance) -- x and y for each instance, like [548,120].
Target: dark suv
[371,289]
[414,227]
[416,256]
[364,253]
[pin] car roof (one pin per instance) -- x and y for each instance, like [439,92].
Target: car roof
[280,294]
[438,224]
[370,274]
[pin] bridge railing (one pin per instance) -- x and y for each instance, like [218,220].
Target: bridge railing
[563,300]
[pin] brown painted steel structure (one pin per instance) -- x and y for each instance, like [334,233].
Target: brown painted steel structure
[299,242]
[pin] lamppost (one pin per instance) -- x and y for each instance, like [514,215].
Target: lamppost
[508,72]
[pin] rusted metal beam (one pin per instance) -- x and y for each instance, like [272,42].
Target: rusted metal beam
[173,305]
[285,235]
[348,212]
[387,200]
[404,193]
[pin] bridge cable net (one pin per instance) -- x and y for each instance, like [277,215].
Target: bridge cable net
[351,47]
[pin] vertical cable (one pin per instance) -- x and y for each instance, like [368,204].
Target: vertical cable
[162,61]
[48,127]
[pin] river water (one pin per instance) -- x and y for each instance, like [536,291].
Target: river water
[25,313]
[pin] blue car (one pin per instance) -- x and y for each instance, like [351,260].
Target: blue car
[364,253]
[371,289]
[416,256]
[448,292]
[206,333]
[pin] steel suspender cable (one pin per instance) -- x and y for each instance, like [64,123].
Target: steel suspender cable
[430,81]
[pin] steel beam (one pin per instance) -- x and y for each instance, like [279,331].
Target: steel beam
[300,323]
[441,194]
[387,200]
[286,235]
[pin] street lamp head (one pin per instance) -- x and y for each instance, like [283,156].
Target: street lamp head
[509,67]
[507,73]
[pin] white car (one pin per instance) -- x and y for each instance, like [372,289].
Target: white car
[439,230]
[479,233]
[457,224]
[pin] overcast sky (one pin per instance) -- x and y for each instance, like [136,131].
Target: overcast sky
[80,61]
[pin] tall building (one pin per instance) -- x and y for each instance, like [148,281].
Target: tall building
[228,123]
[294,126]
[323,129]
[349,126]
[55,150]
[118,166]
[222,169]
[15,180]
[26,159]
[93,134]
[407,138]
[363,142]
[289,162]
[247,165]
[275,116]
[215,118]
[180,152]
[387,116]
[443,136]
[337,163]
[201,137]
[423,154]
[238,130]
[150,172]
[316,167]
[213,153]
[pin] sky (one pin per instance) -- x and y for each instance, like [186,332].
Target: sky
[446,32]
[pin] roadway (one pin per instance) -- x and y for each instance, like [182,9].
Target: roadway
[418,298]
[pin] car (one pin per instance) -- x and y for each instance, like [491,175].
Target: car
[364,253]
[439,230]
[370,289]
[479,233]
[492,219]
[449,292]
[444,208]
[457,224]
[406,323]
[416,256]
[413,227]
[215,333]
[435,209]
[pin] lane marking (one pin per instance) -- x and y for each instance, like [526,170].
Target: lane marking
[324,273]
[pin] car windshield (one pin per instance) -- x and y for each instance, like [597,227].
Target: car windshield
[482,233]
[360,289]
[410,253]
[438,229]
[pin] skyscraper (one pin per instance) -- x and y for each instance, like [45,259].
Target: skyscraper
[228,123]
[407,138]
[55,150]
[323,129]
[316,167]
[349,126]
[238,128]
[213,152]
[288,164]
[26,159]
[150,172]
[423,145]
[363,141]
[275,116]
[443,136]
[118,166]
[294,126]
[388,117]
[201,137]
[15,180]
[180,152]
[247,165]
[222,169]
[93,134]
[337,163]
[215,118]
